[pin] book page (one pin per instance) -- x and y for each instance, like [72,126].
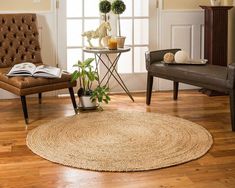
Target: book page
[47,71]
[22,69]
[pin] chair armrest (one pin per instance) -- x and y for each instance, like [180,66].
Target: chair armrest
[231,74]
[157,56]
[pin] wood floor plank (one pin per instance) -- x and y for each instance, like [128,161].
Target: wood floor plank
[20,168]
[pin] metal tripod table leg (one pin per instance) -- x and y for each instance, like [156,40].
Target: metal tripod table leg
[111,70]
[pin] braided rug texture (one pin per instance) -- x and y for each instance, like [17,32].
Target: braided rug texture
[120,141]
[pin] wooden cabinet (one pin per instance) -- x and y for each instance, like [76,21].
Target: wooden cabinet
[216,34]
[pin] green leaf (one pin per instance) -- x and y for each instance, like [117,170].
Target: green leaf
[108,98]
[74,76]
[78,64]
[100,98]
[93,99]
[88,61]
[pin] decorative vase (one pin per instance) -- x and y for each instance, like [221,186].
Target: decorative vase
[215,2]
[120,42]
[85,102]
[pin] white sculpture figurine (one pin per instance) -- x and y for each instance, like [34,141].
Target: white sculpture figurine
[100,32]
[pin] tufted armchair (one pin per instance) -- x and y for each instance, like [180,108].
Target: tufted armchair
[19,43]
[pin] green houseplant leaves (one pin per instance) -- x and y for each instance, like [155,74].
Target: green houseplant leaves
[118,7]
[105,7]
[86,75]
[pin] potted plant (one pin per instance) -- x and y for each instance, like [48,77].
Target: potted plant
[86,74]
[105,7]
[118,7]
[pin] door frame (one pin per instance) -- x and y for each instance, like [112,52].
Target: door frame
[142,77]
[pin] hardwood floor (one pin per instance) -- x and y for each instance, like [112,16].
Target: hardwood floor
[19,167]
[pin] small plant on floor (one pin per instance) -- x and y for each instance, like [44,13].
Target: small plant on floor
[101,94]
[87,75]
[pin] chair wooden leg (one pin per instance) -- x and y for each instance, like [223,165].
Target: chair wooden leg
[232,108]
[176,89]
[40,98]
[24,107]
[149,89]
[73,99]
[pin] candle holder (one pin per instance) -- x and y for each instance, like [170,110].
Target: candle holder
[112,44]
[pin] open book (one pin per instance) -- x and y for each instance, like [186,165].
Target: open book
[29,69]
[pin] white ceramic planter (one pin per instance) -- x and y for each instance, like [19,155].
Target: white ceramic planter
[85,102]
[215,2]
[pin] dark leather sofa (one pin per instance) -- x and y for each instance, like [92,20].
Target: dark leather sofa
[208,76]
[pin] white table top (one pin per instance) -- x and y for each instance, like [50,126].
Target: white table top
[106,50]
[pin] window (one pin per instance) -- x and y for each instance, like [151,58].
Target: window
[81,16]
[135,26]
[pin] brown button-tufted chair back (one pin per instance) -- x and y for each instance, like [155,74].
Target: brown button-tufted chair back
[18,39]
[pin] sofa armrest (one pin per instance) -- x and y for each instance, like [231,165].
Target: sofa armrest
[231,74]
[157,56]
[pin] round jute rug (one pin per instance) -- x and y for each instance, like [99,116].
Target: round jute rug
[120,141]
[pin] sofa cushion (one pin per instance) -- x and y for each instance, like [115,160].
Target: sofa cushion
[201,74]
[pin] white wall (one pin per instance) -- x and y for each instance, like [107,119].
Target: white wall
[182,29]
[25,5]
